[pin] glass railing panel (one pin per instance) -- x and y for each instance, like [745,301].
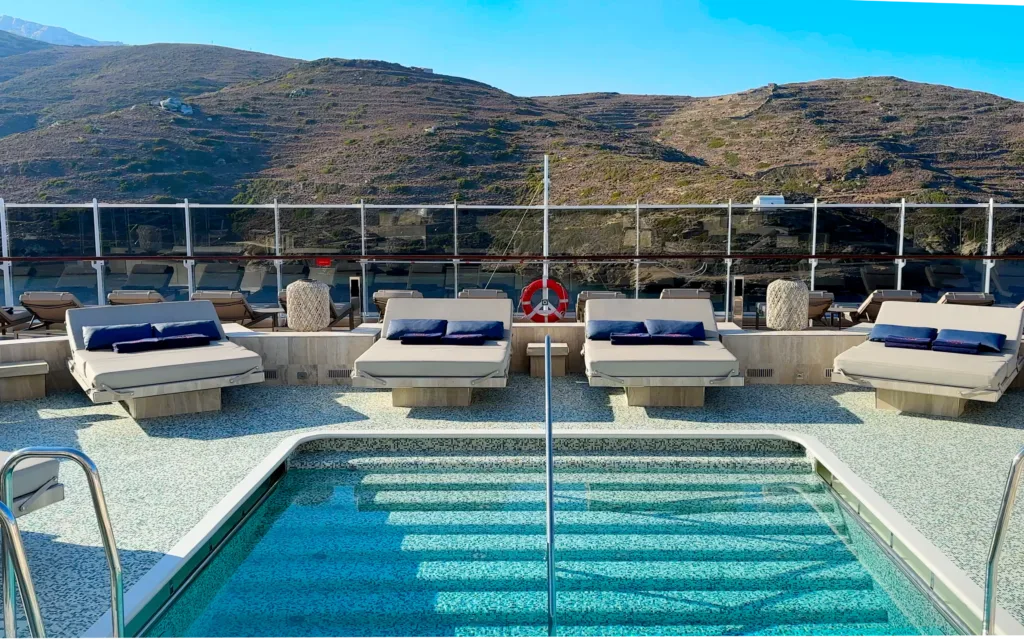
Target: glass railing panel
[51,232]
[1007,283]
[708,274]
[860,231]
[592,232]
[142,231]
[1007,280]
[932,278]
[168,277]
[255,279]
[510,277]
[595,276]
[682,231]
[410,231]
[432,279]
[758,274]
[226,232]
[322,232]
[947,231]
[77,277]
[851,281]
[504,232]
[771,231]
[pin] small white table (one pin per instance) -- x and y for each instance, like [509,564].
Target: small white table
[559,353]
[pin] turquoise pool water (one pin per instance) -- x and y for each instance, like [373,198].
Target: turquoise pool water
[454,546]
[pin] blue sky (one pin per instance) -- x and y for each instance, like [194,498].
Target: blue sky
[542,47]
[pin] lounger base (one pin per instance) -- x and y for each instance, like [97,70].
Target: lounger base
[600,380]
[432,397]
[22,388]
[120,395]
[907,402]
[665,396]
[173,404]
[924,389]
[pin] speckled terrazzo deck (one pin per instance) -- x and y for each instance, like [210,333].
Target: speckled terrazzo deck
[161,476]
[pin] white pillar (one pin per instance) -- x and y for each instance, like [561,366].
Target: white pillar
[190,263]
[989,263]
[277,248]
[900,261]
[728,262]
[5,251]
[362,261]
[814,241]
[636,283]
[98,264]
[455,245]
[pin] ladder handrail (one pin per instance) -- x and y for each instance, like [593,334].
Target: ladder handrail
[998,535]
[99,504]
[549,449]
[14,547]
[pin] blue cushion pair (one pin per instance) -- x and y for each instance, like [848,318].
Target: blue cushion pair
[159,344]
[473,339]
[901,333]
[489,329]
[97,338]
[603,329]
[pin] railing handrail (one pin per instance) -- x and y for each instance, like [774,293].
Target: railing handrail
[998,536]
[15,550]
[549,449]
[102,516]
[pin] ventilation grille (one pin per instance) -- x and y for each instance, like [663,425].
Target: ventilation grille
[828,372]
[760,373]
[270,374]
[338,374]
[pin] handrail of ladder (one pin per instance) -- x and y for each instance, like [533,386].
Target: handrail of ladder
[549,449]
[99,504]
[16,550]
[998,536]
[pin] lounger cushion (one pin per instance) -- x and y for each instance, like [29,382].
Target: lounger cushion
[160,344]
[883,332]
[31,474]
[982,341]
[874,360]
[104,337]
[693,328]
[702,359]
[127,370]
[399,327]
[490,329]
[207,328]
[603,329]
[391,358]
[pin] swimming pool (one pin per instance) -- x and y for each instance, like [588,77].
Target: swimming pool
[730,539]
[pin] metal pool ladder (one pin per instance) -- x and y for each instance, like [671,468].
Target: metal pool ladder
[16,572]
[998,536]
[549,466]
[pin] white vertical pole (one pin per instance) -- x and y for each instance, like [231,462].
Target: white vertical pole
[636,284]
[5,251]
[98,264]
[547,265]
[728,262]
[455,233]
[362,249]
[814,241]
[190,263]
[277,247]
[988,252]
[900,261]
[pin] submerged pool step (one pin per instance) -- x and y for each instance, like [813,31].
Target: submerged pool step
[344,573]
[623,463]
[576,631]
[241,612]
[325,522]
[419,547]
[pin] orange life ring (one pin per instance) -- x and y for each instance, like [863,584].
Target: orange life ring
[545,311]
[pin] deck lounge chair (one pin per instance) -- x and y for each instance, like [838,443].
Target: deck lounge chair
[685,294]
[159,383]
[149,277]
[868,310]
[48,308]
[35,484]
[584,296]
[482,293]
[381,297]
[11,319]
[973,298]
[134,297]
[660,375]
[221,277]
[818,304]
[231,306]
[437,375]
[935,382]
[339,311]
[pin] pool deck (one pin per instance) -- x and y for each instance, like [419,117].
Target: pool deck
[162,475]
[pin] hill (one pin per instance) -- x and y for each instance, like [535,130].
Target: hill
[48,34]
[339,130]
[12,45]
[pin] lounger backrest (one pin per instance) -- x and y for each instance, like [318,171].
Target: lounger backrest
[482,293]
[685,294]
[877,297]
[396,293]
[1005,320]
[449,309]
[49,306]
[231,306]
[641,310]
[967,297]
[134,297]
[137,314]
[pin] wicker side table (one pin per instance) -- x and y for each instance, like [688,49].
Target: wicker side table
[787,305]
[309,305]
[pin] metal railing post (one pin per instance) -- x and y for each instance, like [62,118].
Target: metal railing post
[990,263]
[729,295]
[190,263]
[99,504]
[17,563]
[998,536]
[99,264]
[900,262]
[549,450]
[278,263]
[5,252]
[455,245]
[362,261]
[636,284]
[547,213]
[813,262]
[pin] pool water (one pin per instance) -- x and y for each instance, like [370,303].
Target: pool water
[454,545]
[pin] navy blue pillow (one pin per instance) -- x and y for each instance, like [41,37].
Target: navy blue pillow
[465,339]
[398,328]
[207,328]
[673,338]
[692,328]
[160,344]
[603,329]
[631,339]
[881,332]
[489,329]
[422,338]
[97,338]
[985,341]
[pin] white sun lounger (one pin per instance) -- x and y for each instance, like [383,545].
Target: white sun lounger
[437,375]
[935,382]
[660,375]
[158,383]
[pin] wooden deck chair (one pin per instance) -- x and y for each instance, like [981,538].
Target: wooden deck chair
[134,297]
[11,319]
[482,293]
[818,303]
[48,307]
[685,294]
[231,306]
[868,310]
[381,297]
[339,311]
[973,298]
